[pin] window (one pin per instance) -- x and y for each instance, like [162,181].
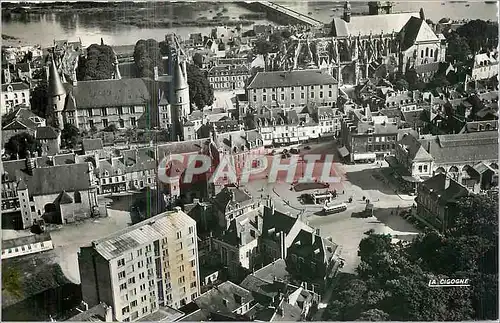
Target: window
[131,280]
[302,95]
[125,310]
[121,262]
[329,94]
[121,275]
[141,276]
[191,230]
[139,252]
[181,268]
[132,121]
[182,280]
[123,286]
[292,96]
[254,98]
[132,109]
[193,263]
[312,95]
[105,123]
[264,98]
[104,112]
[282,96]
[420,168]
[193,285]
[179,234]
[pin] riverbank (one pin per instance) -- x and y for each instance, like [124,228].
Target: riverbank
[169,23]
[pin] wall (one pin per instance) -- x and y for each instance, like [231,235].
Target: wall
[79,208]
[302,95]
[27,249]
[95,117]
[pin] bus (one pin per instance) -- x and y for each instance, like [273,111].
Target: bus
[331,209]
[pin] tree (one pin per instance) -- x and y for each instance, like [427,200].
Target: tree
[263,47]
[401,85]
[147,56]
[70,135]
[458,48]
[411,77]
[39,99]
[276,40]
[98,64]
[20,144]
[374,315]
[198,60]
[201,93]
[479,34]
[111,128]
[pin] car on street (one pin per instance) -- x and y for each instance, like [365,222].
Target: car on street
[294,151]
[307,148]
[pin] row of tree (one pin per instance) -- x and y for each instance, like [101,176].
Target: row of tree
[392,281]
[470,38]
[148,54]
[97,65]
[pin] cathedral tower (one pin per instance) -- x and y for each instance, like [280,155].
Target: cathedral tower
[179,105]
[56,97]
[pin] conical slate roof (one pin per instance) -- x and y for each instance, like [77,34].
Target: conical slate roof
[180,81]
[56,86]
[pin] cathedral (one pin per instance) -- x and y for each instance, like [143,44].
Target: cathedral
[162,102]
[359,47]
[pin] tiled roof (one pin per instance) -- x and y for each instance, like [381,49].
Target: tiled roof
[64,198]
[443,194]
[224,298]
[43,133]
[293,78]
[460,148]
[25,117]
[92,144]
[16,86]
[51,180]
[105,93]
[416,30]
[274,271]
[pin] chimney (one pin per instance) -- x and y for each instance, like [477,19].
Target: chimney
[177,209]
[429,147]
[283,245]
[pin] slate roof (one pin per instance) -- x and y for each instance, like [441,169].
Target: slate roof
[275,270]
[52,180]
[416,30]
[230,195]
[16,86]
[463,148]
[288,79]
[445,195]
[46,133]
[25,118]
[105,93]
[278,221]
[224,298]
[415,150]
[55,86]
[230,70]
[287,313]
[92,144]
[321,249]
[64,198]
[374,24]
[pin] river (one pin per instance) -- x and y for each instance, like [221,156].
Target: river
[91,27]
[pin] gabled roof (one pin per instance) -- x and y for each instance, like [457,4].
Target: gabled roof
[224,298]
[46,133]
[292,78]
[64,198]
[51,180]
[373,24]
[231,195]
[92,144]
[445,194]
[105,93]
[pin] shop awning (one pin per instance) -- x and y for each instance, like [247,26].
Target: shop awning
[343,151]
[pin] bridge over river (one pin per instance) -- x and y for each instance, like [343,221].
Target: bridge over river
[283,15]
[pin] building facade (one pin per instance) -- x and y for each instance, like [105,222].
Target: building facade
[13,94]
[156,265]
[292,89]
[228,77]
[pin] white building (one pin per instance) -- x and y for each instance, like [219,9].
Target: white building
[485,66]
[143,267]
[26,245]
[14,94]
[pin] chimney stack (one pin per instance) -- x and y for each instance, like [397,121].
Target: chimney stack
[429,147]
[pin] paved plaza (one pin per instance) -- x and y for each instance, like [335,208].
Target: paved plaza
[358,181]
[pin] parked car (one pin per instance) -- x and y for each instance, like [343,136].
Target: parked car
[307,148]
[294,151]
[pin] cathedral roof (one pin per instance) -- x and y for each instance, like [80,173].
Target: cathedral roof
[416,30]
[374,24]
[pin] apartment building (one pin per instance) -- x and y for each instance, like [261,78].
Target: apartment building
[228,77]
[143,268]
[292,89]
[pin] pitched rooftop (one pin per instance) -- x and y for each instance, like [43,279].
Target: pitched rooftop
[293,78]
